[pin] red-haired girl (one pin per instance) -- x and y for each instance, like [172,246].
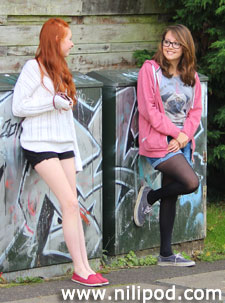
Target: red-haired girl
[169,104]
[44,95]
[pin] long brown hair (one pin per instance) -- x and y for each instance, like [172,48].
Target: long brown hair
[187,64]
[50,56]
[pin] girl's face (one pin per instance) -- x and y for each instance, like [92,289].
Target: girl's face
[172,52]
[67,43]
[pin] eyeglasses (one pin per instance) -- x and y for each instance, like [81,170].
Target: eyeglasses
[167,43]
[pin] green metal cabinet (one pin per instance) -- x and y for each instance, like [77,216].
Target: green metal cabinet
[124,171]
[30,219]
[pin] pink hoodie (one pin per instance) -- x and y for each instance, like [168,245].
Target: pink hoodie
[154,125]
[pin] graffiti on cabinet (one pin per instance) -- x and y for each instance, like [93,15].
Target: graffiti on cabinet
[133,171]
[31,224]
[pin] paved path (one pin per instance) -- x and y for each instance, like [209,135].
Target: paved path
[137,285]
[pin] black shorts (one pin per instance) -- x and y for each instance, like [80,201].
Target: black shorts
[34,158]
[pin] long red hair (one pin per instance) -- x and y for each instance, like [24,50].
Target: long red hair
[187,64]
[50,56]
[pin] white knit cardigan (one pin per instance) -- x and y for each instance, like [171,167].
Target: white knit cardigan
[44,127]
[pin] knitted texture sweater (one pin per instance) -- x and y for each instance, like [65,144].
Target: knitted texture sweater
[44,128]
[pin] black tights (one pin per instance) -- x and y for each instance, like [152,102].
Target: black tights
[178,179]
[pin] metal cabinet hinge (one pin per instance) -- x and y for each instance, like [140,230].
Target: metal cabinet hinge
[204,156]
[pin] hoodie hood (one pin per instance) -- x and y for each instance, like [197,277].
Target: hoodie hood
[154,63]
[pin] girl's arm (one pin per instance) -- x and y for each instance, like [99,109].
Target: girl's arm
[24,102]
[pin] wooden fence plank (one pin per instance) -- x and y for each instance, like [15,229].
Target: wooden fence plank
[88,62]
[19,35]
[133,46]
[21,50]
[11,64]
[82,63]
[116,33]
[29,35]
[135,19]
[120,7]
[87,48]
[3,51]
[41,7]
[79,7]
[77,49]
[32,20]
[3,20]
[87,20]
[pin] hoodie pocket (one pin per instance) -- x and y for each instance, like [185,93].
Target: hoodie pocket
[155,141]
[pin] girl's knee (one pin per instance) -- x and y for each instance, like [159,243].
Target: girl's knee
[71,207]
[193,184]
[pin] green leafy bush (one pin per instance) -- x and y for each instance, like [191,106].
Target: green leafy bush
[131,260]
[142,55]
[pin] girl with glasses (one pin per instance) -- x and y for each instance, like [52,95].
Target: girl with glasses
[169,104]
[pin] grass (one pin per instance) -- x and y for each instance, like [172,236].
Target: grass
[214,243]
[19,281]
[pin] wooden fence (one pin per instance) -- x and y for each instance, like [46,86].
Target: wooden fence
[105,32]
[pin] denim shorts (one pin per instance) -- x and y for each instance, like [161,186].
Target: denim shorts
[186,151]
[34,158]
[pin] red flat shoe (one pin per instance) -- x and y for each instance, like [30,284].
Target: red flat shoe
[102,279]
[92,280]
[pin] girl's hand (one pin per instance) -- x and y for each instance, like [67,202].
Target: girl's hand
[61,103]
[173,146]
[182,139]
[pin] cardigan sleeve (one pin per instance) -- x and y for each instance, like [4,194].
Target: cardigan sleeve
[194,115]
[147,103]
[25,101]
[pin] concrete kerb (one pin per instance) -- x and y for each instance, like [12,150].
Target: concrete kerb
[51,272]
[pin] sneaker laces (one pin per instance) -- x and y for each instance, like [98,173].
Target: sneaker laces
[147,209]
[178,256]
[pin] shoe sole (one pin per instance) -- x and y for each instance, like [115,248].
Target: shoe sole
[105,283]
[136,221]
[176,264]
[86,284]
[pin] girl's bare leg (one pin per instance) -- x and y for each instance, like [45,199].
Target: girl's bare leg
[53,174]
[68,166]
